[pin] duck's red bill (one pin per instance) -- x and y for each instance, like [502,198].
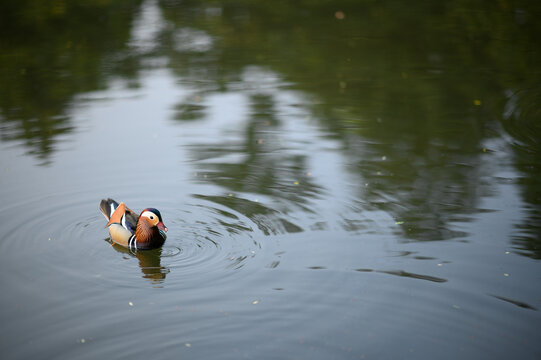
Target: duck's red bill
[161,226]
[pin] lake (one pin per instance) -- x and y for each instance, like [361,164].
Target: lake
[340,179]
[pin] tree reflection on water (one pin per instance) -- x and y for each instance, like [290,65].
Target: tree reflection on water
[420,96]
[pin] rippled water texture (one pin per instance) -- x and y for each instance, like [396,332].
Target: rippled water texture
[340,180]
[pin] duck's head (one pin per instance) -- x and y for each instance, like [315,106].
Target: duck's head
[152,218]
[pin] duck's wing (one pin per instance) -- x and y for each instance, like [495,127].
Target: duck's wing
[117,217]
[120,224]
[118,213]
[130,219]
[108,207]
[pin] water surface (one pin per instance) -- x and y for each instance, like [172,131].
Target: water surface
[339,179]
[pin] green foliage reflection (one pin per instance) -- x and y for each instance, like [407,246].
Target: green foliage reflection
[414,92]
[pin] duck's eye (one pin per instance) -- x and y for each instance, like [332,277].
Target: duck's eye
[151,217]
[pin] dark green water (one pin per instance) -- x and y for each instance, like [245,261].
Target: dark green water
[340,179]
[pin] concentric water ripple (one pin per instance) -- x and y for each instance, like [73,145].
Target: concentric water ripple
[207,244]
[217,268]
[68,232]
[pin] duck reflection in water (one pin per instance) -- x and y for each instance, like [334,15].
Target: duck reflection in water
[149,262]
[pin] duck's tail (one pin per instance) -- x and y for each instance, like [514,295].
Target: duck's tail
[108,207]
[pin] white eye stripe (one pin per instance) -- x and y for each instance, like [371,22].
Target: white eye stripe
[149,215]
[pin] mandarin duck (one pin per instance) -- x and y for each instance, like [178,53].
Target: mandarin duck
[142,232]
